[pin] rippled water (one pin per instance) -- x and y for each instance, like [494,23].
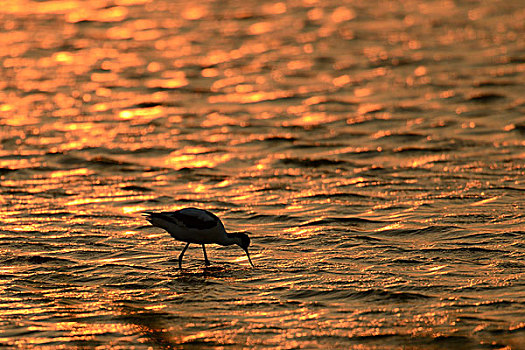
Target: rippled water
[375,150]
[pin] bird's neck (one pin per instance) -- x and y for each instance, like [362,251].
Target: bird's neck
[230,239]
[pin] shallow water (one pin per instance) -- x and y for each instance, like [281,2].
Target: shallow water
[375,150]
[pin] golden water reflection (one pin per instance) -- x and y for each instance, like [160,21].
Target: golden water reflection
[375,152]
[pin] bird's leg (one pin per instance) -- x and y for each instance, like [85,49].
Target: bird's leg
[206,261]
[182,254]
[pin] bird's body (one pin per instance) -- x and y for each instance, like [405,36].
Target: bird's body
[190,225]
[198,226]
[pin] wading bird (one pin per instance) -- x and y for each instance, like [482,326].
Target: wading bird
[197,226]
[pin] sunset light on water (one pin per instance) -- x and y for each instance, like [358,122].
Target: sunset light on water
[375,151]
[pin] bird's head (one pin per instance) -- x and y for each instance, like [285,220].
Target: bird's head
[243,241]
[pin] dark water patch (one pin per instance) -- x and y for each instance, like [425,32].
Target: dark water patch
[452,342]
[19,235]
[51,214]
[421,149]
[411,109]
[465,250]
[265,218]
[136,188]
[516,59]
[467,218]
[408,261]
[384,337]
[4,171]
[271,143]
[55,193]
[269,240]
[316,145]
[364,238]
[313,163]
[367,295]
[351,243]
[36,169]
[93,280]
[157,151]
[191,170]
[107,161]
[279,139]
[154,89]
[510,188]
[485,97]
[122,283]
[520,127]
[404,137]
[203,343]
[340,220]
[68,159]
[278,304]
[147,105]
[37,260]
[195,274]
[88,343]
[17,192]
[335,196]
[490,83]
[510,264]
[483,237]
[436,229]
[337,101]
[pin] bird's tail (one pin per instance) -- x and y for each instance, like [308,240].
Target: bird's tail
[152,217]
[156,219]
[148,215]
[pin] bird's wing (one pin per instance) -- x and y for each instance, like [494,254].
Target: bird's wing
[194,218]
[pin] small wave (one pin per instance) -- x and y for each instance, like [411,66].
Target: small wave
[450,342]
[312,163]
[406,136]
[520,127]
[4,171]
[272,138]
[485,97]
[47,214]
[272,218]
[146,105]
[490,304]
[37,259]
[408,261]
[136,188]
[335,195]
[369,295]
[419,149]
[382,294]
[511,264]
[435,229]
[158,150]
[464,250]
[340,220]
[361,238]
[491,83]
[102,160]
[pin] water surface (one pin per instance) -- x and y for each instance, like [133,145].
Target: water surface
[375,150]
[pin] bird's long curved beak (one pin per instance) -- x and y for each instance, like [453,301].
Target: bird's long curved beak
[248,255]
